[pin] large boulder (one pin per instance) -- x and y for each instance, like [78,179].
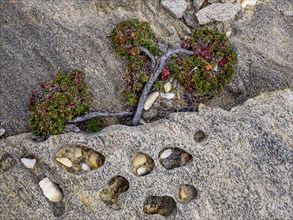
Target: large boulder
[241,167]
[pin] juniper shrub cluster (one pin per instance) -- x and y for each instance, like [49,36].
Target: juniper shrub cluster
[55,102]
[211,66]
[126,37]
[207,71]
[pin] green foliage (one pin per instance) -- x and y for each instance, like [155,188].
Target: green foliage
[93,124]
[62,99]
[211,66]
[126,37]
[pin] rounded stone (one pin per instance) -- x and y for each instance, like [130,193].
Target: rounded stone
[142,164]
[163,205]
[94,159]
[186,193]
[172,157]
[199,136]
[51,190]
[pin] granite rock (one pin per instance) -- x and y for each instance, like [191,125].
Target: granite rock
[241,170]
[175,7]
[217,12]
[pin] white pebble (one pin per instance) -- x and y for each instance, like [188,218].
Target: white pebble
[168,87]
[65,161]
[51,190]
[28,163]
[166,154]
[244,3]
[167,95]
[150,100]
[85,167]
[141,171]
[2,131]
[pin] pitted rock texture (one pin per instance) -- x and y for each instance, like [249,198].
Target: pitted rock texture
[241,170]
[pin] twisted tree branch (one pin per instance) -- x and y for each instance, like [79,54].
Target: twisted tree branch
[158,69]
[99,113]
[148,53]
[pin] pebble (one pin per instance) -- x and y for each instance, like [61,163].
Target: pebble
[51,190]
[77,152]
[186,193]
[163,205]
[142,164]
[150,100]
[65,161]
[139,160]
[2,131]
[175,7]
[110,193]
[217,12]
[173,157]
[244,3]
[85,167]
[28,163]
[94,160]
[168,87]
[167,95]
[199,136]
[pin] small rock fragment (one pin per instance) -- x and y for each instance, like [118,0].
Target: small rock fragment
[163,205]
[139,160]
[175,7]
[142,164]
[94,159]
[244,3]
[6,162]
[168,87]
[2,131]
[51,190]
[286,13]
[217,12]
[197,4]
[199,136]
[65,161]
[186,193]
[77,152]
[85,167]
[173,157]
[109,194]
[167,95]
[150,100]
[28,163]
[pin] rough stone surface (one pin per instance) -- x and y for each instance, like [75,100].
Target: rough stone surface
[242,169]
[197,4]
[175,7]
[217,12]
[262,39]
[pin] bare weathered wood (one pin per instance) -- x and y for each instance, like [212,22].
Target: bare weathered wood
[148,53]
[160,64]
[99,113]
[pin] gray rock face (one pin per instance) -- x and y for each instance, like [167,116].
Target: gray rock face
[262,39]
[175,7]
[198,3]
[217,12]
[242,169]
